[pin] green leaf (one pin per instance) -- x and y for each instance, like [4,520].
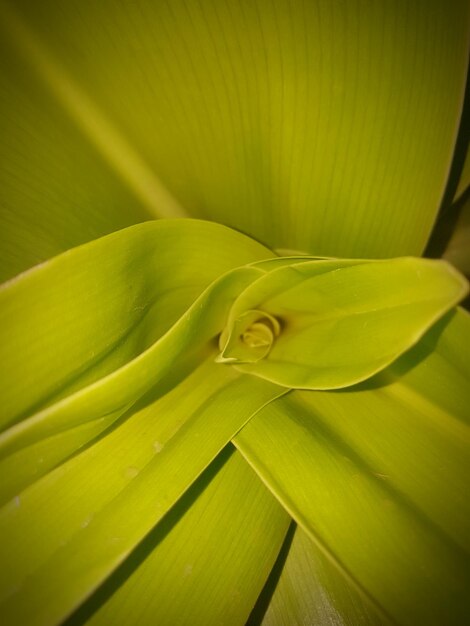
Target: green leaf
[418,428]
[464,180]
[312,591]
[457,250]
[57,192]
[88,538]
[132,287]
[206,562]
[83,538]
[116,298]
[27,465]
[330,324]
[376,475]
[306,125]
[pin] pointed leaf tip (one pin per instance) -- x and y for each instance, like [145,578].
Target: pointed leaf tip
[333,323]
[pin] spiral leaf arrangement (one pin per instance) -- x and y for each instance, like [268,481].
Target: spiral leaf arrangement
[262,325]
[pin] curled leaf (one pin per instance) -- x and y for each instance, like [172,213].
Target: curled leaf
[330,324]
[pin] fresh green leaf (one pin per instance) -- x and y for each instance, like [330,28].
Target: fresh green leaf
[457,251]
[115,297]
[376,475]
[317,126]
[27,465]
[312,591]
[330,324]
[211,565]
[411,433]
[116,508]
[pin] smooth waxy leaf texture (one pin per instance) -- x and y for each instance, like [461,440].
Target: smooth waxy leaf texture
[377,476]
[312,590]
[115,298]
[87,554]
[327,324]
[222,550]
[306,125]
[118,294]
[297,122]
[86,508]
[106,499]
[321,306]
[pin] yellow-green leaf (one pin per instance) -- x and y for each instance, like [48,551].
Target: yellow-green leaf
[317,126]
[377,476]
[330,324]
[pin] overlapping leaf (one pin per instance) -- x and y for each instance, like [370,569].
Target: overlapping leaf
[336,322]
[110,500]
[308,126]
[222,550]
[123,349]
[114,298]
[311,590]
[377,476]
[116,491]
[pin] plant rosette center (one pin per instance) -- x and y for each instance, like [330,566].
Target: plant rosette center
[328,324]
[249,339]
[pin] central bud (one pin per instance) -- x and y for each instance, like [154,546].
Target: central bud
[248,338]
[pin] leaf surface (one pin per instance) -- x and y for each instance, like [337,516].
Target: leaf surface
[376,475]
[83,538]
[306,125]
[211,565]
[329,324]
[312,591]
[115,299]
